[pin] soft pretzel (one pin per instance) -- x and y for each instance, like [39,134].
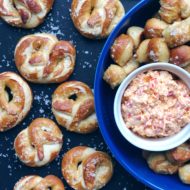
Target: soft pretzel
[34,182]
[73,107]
[170,10]
[174,10]
[180,154]
[41,58]
[96,19]
[15,100]
[185,8]
[115,74]
[24,13]
[159,163]
[158,50]
[180,56]
[184,173]
[39,143]
[154,28]
[155,50]
[136,33]
[131,66]
[122,49]
[86,169]
[178,33]
[142,51]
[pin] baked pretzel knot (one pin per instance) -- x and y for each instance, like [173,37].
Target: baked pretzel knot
[73,107]
[86,169]
[34,182]
[41,58]
[24,13]
[40,143]
[15,100]
[96,18]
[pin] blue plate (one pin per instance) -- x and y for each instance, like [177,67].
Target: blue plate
[128,156]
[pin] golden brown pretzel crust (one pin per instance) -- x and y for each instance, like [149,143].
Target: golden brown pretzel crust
[13,110]
[34,182]
[180,56]
[174,10]
[86,169]
[153,50]
[178,33]
[41,58]
[158,162]
[122,49]
[171,161]
[96,18]
[24,13]
[170,10]
[115,74]
[184,173]
[154,28]
[180,154]
[40,143]
[77,114]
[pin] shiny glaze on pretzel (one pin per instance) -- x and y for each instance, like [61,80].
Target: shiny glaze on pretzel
[34,182]
[73,107]
[41,58]
[174,10]
[40,143]
[96,19]
[86,169]
[25,13]
[178,33]
[15,100]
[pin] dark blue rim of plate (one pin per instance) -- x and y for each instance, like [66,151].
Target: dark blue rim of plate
[110,144]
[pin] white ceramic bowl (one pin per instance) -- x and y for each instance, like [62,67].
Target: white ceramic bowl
[151,144]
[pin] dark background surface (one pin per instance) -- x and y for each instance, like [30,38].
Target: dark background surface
[59,23]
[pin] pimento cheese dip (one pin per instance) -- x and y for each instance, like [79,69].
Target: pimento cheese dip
[156,105]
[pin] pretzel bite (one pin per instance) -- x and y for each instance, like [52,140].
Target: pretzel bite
[178,33]
[159,164]
[158,50]
[131,66]
[136,33]
[180,56]
[122,49]
[185,8]
[153,50]
[174,10]
[154,28]
[179,155]
[114,75]
[170,10]
[142,52]
[184,173]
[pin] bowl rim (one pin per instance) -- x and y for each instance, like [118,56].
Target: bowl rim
[108,141]
[159,144]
